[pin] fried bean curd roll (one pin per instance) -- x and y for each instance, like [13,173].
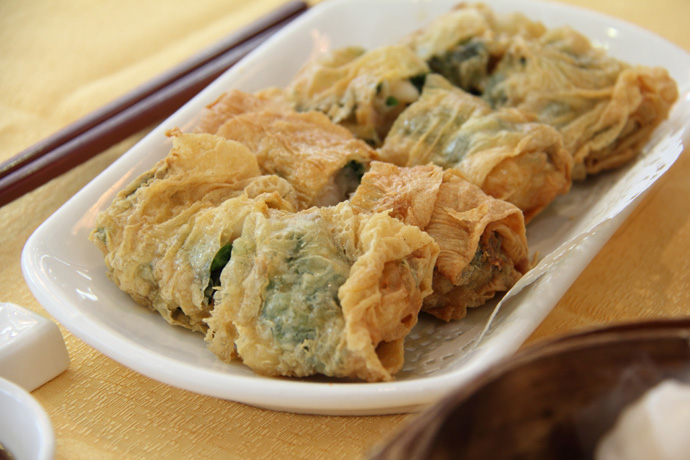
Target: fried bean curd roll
[504,152]
[482,241]
[322,161]
[605,109]
[322,291]
[361,90]
[235,102]
[168,234]
[465,44]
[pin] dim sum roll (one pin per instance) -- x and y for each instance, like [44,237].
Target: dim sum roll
[605,109]
[361,90]
[166,236]
[322,291]
[484,248]
[464,44]
[321,160]
[504,152]
[482,241]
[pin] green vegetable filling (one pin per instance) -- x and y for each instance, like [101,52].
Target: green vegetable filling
[466,66]
[489,261]
[301,306]
[392,101]
[418,81]
[220,260]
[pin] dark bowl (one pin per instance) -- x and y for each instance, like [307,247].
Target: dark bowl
[551,401]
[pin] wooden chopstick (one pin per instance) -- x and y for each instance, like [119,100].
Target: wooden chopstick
[135,111]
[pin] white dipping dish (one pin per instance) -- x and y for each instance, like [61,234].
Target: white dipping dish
[25,429]
[67,274]
[32,350]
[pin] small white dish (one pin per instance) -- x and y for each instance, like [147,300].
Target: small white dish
[67,274]
[32,350]
[25,429]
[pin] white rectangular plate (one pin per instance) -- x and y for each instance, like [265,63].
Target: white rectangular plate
[67,275]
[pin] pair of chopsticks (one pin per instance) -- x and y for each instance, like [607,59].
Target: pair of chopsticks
[136,110]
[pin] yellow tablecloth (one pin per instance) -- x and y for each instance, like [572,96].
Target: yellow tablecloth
[61,60]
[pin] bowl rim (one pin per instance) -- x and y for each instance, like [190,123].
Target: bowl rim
[35,436]
[415,437]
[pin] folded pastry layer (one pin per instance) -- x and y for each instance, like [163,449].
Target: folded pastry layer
[361,90]
[322,291]
[504,152]
[322,161]
[235,102]
[482,241]
[605,109]
[465,44]
[163,234]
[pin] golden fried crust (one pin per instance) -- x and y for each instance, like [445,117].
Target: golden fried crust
[161,232]
[505,152]
[362,90]
[446,31]
[530,166]
[605,109]
[482,241]
[407,194]
[307,149]
[464,44]
[641,100]
[236,102]
[384,292]
[483,248]
[322,291]
[465,22]
[256,231]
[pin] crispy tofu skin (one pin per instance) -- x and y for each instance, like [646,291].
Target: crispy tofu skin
[303,229]
[325,291]
[482,241]
[464,44]
[505,152]
[162,232]
[361,90]
[322,161]
[484,248]
[235,102]
[407,193]
[605,109]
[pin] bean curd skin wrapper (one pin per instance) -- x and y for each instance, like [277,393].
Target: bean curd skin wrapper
[363,90]
[235,102]
[161,234]
[605,109]
[322,291]
[482,240]
[303,229]
[464,44]
[321,160]
[505,153]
